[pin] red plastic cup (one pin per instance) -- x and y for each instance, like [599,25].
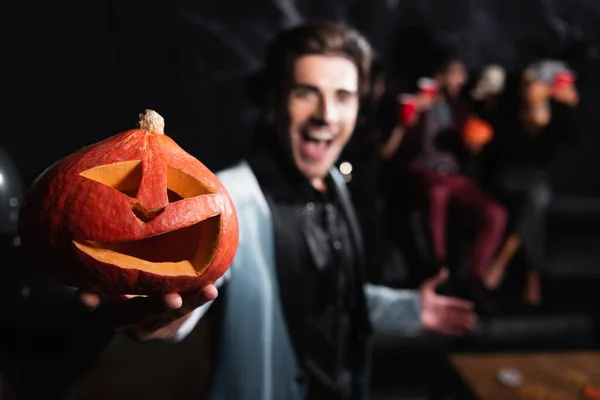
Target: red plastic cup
[428,87]
[407,108]
[563,79]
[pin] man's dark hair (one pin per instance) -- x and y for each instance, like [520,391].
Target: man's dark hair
[316,37]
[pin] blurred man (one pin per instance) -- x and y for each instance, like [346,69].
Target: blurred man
[521,168]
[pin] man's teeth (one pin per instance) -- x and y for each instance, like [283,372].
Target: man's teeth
[320,135]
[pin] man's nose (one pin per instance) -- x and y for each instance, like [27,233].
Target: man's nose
[328,111]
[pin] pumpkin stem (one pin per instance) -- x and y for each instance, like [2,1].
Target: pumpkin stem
[151,121]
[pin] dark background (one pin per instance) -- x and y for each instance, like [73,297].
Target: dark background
[77,72]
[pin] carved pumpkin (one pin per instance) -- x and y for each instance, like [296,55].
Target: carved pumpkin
[131,214]
[477,132]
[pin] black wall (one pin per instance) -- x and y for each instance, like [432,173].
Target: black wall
[77,72]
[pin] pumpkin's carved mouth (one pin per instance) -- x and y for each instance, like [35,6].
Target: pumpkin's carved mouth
[187,251]
[182,252]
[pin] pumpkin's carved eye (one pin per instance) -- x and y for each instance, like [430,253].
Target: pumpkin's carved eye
[183,186]
[126,177]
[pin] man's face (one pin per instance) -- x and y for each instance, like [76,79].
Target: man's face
[455,77]
[322,105]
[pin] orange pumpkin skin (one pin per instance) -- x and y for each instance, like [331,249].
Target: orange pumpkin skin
[88,232]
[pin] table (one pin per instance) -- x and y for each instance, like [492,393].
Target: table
[547,376]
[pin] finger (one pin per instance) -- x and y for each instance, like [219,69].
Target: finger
[210,292]
[173,300]
[444,274]
[441,277]
[93,300]
[192,300]
[472,322]
[467,322]
[130,296]
[455,303]
[89,300]
[156,311]
[463,320]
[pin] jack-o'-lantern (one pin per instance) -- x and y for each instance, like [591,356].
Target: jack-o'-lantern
[477,132]
[134,214]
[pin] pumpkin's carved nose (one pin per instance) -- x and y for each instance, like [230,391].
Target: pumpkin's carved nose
[145,215]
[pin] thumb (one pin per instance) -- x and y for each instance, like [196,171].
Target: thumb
[440,278]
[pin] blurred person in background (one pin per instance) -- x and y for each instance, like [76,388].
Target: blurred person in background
[487,91]
[429,153]
[520,162]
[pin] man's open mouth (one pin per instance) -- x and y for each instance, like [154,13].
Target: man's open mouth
[315,143]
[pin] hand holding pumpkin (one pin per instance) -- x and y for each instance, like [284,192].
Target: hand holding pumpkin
[148,317]
[133,214]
